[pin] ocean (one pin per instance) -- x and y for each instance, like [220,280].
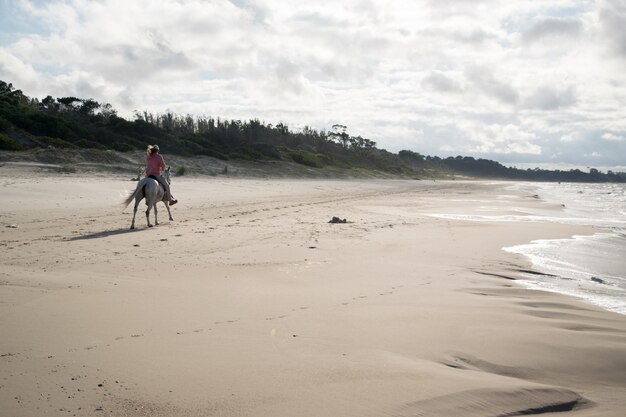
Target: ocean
[589,267]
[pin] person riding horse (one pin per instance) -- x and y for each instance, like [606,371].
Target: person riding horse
[155,164]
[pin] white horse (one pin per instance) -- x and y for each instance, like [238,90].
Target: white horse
[153,192]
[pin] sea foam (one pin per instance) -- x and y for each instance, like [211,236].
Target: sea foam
[589,267]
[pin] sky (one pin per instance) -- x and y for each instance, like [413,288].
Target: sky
[520,82]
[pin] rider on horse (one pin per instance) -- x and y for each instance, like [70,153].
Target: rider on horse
[155,164]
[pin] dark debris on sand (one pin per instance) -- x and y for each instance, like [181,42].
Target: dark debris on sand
[337,220]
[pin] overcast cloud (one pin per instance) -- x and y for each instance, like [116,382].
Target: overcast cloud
[518,82]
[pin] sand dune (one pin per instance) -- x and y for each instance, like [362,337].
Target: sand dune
[251,304]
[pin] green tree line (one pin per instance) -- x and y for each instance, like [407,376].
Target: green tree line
[76,123]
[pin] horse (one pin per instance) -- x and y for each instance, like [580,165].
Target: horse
[153,192]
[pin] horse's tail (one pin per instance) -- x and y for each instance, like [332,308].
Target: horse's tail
[131,197]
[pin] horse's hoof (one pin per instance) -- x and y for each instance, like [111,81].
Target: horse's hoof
[132,227]
[149,225]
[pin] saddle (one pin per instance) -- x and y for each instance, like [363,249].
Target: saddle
[157,180]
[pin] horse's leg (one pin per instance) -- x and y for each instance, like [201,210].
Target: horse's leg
[148,215]
[167,206]
[156,220]
[137,200]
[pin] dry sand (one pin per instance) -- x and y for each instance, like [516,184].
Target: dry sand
[251,304]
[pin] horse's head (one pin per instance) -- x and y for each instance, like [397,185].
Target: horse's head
[166,174]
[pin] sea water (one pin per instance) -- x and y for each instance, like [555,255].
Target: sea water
[589,267]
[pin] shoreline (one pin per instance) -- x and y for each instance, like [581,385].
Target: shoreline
[251,303]
[578,279]
[587,265]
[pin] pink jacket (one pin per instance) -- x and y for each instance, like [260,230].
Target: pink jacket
[154,164]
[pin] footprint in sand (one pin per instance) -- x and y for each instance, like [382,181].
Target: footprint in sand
[195,331]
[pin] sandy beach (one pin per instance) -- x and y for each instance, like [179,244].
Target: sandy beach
[250,303]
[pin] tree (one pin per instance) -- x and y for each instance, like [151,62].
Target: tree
[282,128]
[69,103]
[6,89]
[107,111]
[11,94]
[48,103]
[411,156]
[89,106]
[339,135]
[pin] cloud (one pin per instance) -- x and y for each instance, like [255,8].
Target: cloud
[439,81]
[612,137]
[475,36]
[611,15]
[553,27]
[504,139]
[551,98]
[485,81]
[521,80]
[22,73]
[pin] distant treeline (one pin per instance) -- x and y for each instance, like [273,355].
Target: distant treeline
[72,122]
[492,169]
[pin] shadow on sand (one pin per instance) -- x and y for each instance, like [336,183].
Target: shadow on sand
[107,233]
